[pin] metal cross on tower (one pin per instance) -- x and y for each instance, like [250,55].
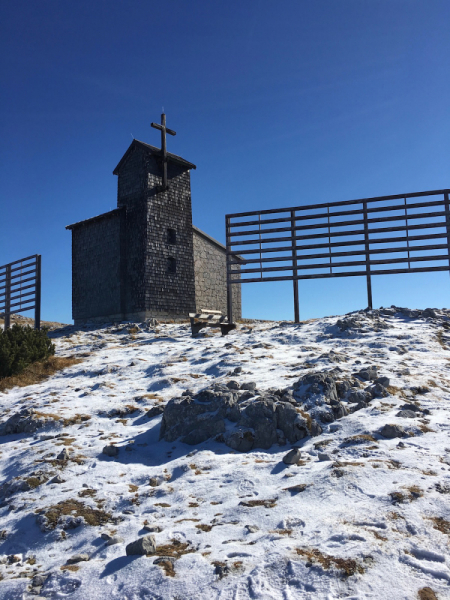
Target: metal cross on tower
[164,130]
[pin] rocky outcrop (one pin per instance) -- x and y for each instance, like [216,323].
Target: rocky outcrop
[242,419]
[245,418]
[26,421]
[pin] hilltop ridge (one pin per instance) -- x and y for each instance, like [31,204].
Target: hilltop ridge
[362,511]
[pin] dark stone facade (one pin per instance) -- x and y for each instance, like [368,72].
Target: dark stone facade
[145,258]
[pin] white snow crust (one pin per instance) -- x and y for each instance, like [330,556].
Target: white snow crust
[349,509]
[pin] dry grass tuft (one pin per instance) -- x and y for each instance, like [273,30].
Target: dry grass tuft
[75,508]
[38,372]
[167,566]
[440,340]
[426,593]
[175,549]
[441,524]
[70,568]
[360,438]
[34,482]
[347,566]
[266,503]
[203,527]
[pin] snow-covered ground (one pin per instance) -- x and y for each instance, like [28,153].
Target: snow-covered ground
[372,522]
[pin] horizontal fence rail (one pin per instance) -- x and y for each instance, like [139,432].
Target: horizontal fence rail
[20,288]
[405,233]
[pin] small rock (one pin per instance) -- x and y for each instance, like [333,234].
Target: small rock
[155,481]
[412,407]
[292,457]
[110,450]
[250,385]
[162,559]
[251,528]
[334,427]
[368,373]
[323,456]
[406,414]
[14,558]
[155,411]
[392,431]
[237,370]
[63,455]
[401,445]
[296,489]
[115,539]
[39,580]
[377,390]
[233,385]
[384,381]
[153,528]
[141,546]
[76,558]
[57,479]
[105,536]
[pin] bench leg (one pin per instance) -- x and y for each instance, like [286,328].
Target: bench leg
[227,327]
[196,327]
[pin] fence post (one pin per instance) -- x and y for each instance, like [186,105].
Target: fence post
[367,252]
[447,223]
[229,286]
[37,293]
[294,269]
[8,297]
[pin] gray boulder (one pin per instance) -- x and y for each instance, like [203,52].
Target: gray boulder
[316,384]
[113,540]
[155,411]
[323,456]
[412,407]
[110,451]
[233,385]
[406,414]
[25,421]
[384,381]
[342,388]
[206,412]
[377,390]
[250,385]
[76,558]
[241,440]
[142,546]
[367,373]
[63,455]
[392,431]
[359,396]
[292,457]
[339,410]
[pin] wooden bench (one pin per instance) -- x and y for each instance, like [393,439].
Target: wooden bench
[210,318]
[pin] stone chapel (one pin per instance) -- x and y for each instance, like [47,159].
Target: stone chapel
[145,258]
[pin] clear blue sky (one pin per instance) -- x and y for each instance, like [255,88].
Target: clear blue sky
[277,103]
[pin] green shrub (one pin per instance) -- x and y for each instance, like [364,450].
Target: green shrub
[20,346]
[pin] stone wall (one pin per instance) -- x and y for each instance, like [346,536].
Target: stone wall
[96,267]
[211,276]
[166,292]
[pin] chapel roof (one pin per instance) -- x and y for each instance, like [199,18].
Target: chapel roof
[153,150]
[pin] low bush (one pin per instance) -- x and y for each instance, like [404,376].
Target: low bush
[21,346]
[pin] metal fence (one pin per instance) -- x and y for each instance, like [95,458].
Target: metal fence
[405,233]
[20,288]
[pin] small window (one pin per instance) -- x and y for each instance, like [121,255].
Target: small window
[171,236]
[171,265]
